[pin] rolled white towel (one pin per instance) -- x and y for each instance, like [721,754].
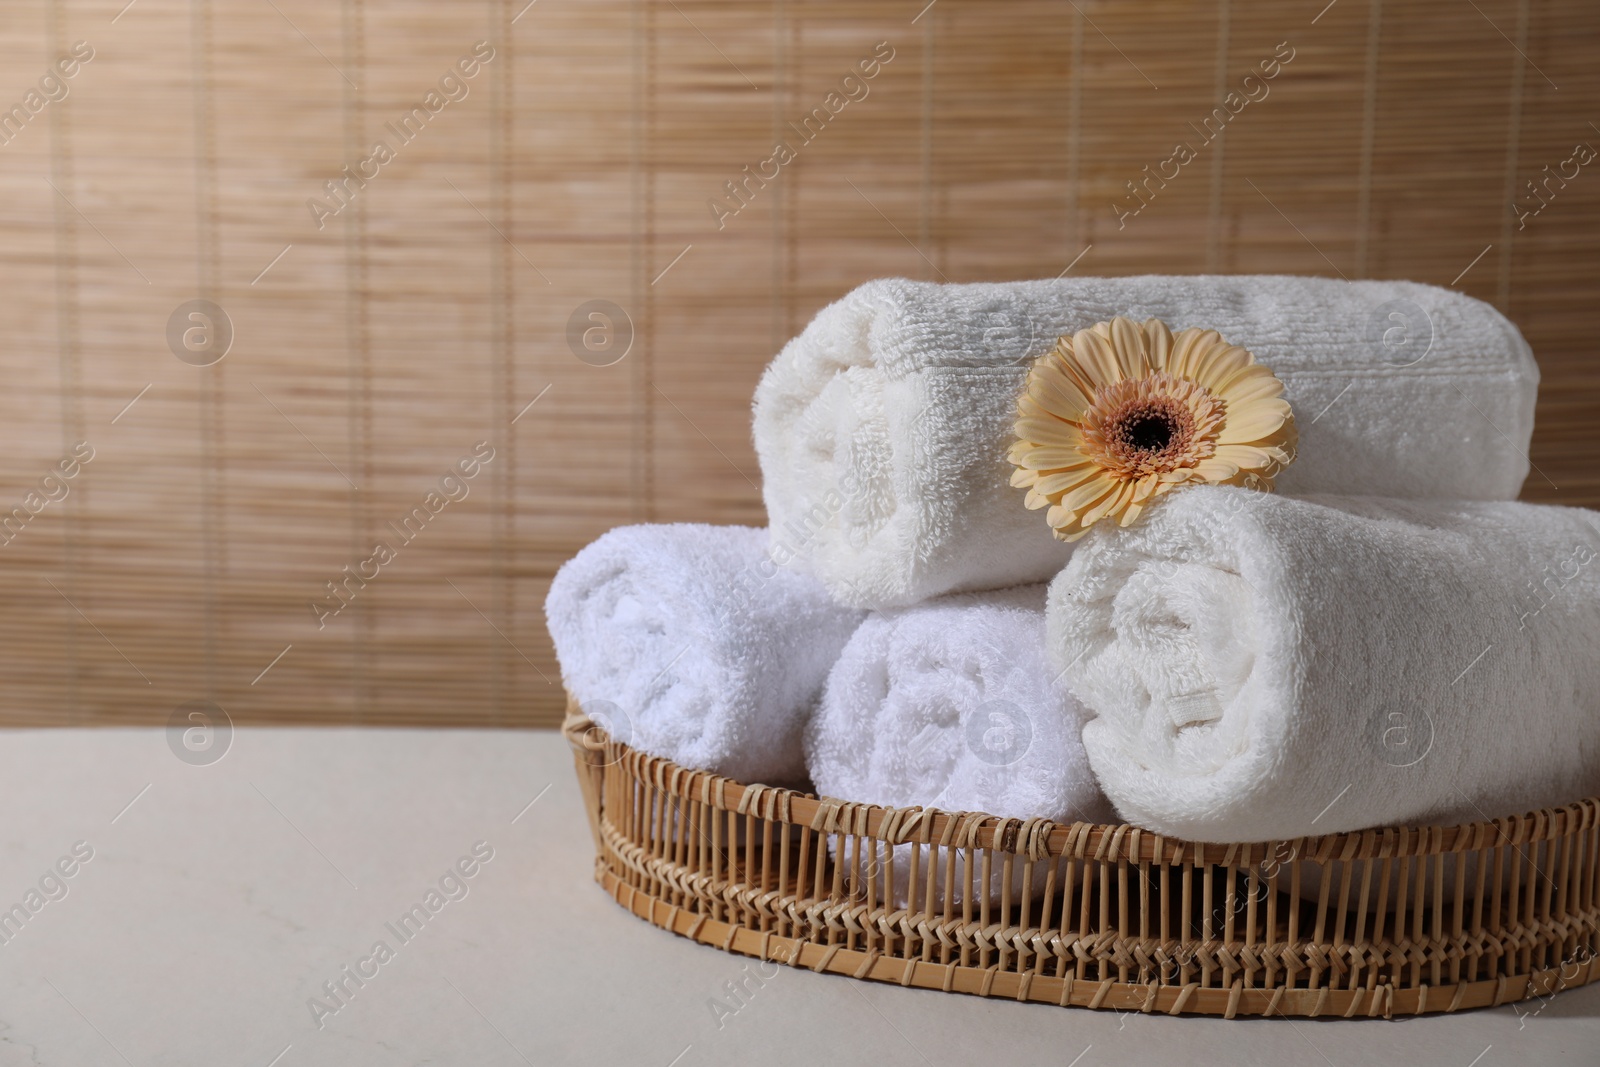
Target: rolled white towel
[690,643]
[1265,668]
[952,704]
[883,428]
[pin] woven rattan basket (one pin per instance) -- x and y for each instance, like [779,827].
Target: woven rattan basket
[1401,920]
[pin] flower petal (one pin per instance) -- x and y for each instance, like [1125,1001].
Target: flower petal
[1148,486]
[1057,395]
[1257,383]
[1188,346]
[1247,457]
[1053,485]
[1088,494]
[1044,428]
[1277,456]
[1054,369]
[1110,505]
[1095,356]
[1216,470]
[1158,342]
[1212,368]
[1050,458]
[1061,519]
[1127,339]
[1253,422]
[1252,368]
[1080,376]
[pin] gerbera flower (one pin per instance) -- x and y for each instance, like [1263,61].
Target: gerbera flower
[1116,415]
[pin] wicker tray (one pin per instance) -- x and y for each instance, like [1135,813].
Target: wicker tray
[1402,920]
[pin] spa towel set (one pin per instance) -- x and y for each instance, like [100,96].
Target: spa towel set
[952,608]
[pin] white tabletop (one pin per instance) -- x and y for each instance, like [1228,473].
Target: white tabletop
[218,903]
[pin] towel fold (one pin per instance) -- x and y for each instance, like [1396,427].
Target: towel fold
[882,429]
[1264,668]
[688,642]
[952,704]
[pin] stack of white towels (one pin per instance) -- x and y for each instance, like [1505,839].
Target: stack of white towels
[1389,638]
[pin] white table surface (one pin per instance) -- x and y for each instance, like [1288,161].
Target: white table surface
[224,897]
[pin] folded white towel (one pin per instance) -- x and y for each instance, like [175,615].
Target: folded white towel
[952,704]
[1264,667]
[690,643]
[883,428]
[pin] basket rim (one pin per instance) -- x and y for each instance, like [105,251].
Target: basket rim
[1041,838]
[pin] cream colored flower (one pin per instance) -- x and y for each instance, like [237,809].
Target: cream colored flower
[1117,415]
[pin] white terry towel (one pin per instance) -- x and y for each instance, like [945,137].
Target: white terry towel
[1265,668]
[952,704]
[688,642]
[882,429]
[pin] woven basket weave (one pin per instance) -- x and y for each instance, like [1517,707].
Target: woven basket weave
[1377,923]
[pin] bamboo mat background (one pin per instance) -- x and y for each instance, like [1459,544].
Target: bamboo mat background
[372,354]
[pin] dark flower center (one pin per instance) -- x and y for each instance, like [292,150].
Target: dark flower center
[1149,431]
[1139,427]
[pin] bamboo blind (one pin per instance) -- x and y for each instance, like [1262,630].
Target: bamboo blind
[372,354]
